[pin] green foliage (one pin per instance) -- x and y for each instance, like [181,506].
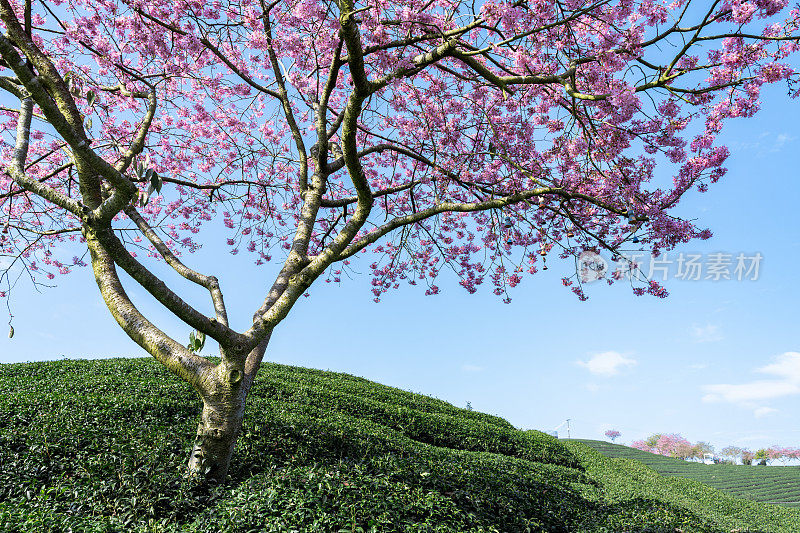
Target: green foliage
[777,485]
[197,339]
[102,445]
[652,440]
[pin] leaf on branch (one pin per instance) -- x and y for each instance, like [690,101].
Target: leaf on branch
[197,339]
[72,87]
[90,98]
[156,182]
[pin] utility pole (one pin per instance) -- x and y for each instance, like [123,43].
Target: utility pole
[568,428]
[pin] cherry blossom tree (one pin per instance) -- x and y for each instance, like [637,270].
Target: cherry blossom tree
[793,453]
[775,453]
[781,453]
[790,454]
[673,445]
[650,444]
[613,434]
[747,457]
[479,138]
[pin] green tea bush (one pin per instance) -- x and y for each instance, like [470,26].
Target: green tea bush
[102,445]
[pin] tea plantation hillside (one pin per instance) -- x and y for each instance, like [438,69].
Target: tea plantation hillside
[778,485]
[89,446]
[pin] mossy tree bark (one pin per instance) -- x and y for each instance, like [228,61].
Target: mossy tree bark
[217,432]
[224,396]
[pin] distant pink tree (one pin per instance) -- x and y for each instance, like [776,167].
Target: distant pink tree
[780,453]
[792,454]
[613,434]
[747,457]
[671,445]
[674,445]
[777,453]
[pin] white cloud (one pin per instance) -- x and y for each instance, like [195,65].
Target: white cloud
[707,333]
[471,368]
[780,141]
[786,366]
[749,392]
[767,142]
[698,366]
[764,411]
[606,364]
[752,395]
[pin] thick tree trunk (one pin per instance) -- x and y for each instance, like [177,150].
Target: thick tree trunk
[217,432]
[214,443]
[221,419]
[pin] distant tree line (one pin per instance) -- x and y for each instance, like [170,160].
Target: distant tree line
[784,454]
[674,445]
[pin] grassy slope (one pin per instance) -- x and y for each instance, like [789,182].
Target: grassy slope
[779,485]
[101,445]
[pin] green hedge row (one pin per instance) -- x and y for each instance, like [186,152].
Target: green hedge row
[623,480]
[444,428]
[96,446]
[752,482]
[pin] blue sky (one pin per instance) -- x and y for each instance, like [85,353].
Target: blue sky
[715,361]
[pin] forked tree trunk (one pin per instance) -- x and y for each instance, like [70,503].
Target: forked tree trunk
[220,423]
